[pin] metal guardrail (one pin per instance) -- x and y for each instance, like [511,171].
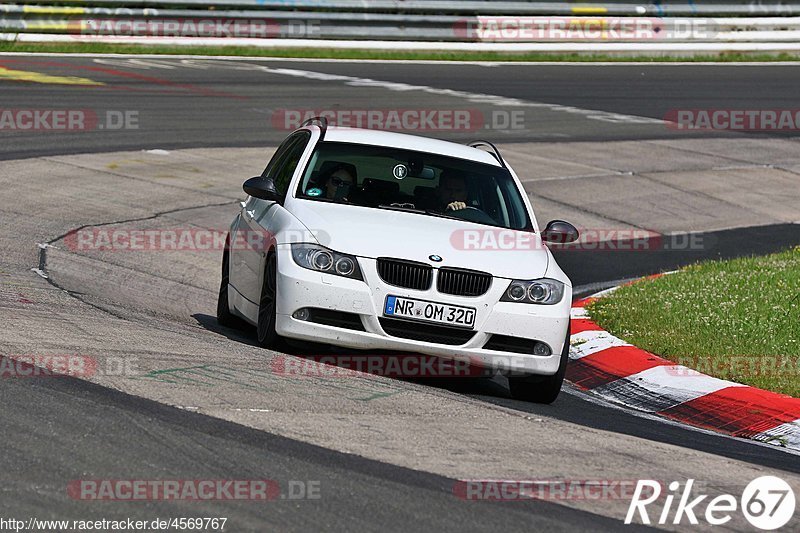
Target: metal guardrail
[406,22]
[659,8]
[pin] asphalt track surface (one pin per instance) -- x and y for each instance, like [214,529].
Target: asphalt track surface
[176,101]
[47,424]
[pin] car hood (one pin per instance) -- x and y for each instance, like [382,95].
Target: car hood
[369,232]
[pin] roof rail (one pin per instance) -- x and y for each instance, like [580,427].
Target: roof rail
[495,152]
[322,122]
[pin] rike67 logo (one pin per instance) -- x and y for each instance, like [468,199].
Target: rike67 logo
[768,503]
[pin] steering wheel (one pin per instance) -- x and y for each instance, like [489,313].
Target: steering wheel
[471,214]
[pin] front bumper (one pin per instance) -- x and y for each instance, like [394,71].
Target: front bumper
[302,288]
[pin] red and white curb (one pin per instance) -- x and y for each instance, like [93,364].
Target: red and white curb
[618,372]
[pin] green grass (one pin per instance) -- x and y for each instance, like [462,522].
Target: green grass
[737,320]
[245,51]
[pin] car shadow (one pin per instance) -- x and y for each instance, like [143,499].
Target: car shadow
[245,336]
[471,384]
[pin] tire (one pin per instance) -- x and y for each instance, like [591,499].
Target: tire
[267,336]
[224,316]
[541,389]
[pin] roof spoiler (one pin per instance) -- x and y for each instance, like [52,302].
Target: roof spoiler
[495,152]
[322,122]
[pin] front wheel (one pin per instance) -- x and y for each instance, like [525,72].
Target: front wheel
[541,389]
[267,336]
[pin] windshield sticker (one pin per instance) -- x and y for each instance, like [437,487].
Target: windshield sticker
[400,171]
[314,192]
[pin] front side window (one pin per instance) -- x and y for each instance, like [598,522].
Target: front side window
[430,184]
[282,166]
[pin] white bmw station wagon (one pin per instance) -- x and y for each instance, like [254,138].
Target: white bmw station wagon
[384,241]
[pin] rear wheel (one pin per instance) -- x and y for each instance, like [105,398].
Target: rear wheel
[267,336]
[224,316]
[541,389]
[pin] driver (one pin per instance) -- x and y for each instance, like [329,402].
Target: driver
[339,181]
[452,192]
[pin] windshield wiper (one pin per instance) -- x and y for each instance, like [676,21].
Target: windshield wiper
[405,209]
[441,215]
[411,208]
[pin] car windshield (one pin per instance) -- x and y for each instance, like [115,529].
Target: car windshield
[429,184]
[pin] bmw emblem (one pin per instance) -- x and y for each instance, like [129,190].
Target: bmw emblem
[435,258]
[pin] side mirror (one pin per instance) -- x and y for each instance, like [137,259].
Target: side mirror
[560,232]
[263,188]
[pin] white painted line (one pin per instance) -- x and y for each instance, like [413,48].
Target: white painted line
[432,46]
[476,98]
[353,81]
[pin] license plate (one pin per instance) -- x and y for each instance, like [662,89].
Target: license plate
[425,311]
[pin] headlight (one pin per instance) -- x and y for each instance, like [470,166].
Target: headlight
[320,259]
[539,291]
